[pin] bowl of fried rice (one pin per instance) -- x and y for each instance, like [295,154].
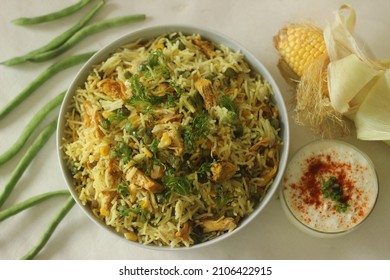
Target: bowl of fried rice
[173,137]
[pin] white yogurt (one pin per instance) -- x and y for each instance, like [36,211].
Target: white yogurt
[305,202]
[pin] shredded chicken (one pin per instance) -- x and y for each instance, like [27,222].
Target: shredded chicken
[265,142]
[93,118]
[224,224]
[138,178]
[222,171]
[269,175]
[116,90]
[184,232]
[107,198]
[112,174]
[206,90]
[169,118]
[205,46]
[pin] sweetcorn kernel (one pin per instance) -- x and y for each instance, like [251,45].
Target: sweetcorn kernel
[165,141]
[104,211]
[104,150]
[144,203]
[160,46]
[131,236]
[147,152]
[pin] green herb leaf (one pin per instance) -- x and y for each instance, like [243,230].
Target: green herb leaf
[196,101]
[105,123]
[122,152]
[122,189]
[140,95]
[222,198]
[153,58]
[137,87]
[154,146]
[155,65]
[199,128]
[334,191]
[181,185]
[129,127]
[123,210]
[137,209]
[205,167]
[228,103]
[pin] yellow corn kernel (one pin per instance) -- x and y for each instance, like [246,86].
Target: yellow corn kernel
[104,150]
[106,114]
[104,211]
[144,203]
[147,152]
[132,189]
[131,236]
[135,121]
[299,45]
[132,145]
[160,46]
[165,141]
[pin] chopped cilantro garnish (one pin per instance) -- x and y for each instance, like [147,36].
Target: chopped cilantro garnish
[181,184]
[145,213]
[122,189]
[154,146]
[123,210]
[140,95]
[334,191]
[222,199]
[153,58]
[199,128]
[227,102]
[122,152]
[205,167]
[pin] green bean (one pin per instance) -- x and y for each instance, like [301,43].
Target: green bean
[51,16]
[30,127]
[84,32]
[57,41]
[17,208]
[32,151]
[50,229]
[42,78]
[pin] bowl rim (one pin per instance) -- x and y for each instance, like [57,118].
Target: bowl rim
[151,32]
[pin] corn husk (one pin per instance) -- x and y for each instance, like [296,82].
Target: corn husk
[372,119]
[349,81]
[358,85]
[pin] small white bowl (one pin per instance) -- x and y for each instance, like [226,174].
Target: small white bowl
[305,200]
[149,33]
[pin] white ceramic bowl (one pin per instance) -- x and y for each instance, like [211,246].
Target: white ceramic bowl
[149,33]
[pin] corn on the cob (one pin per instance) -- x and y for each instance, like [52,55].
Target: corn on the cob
[300,45]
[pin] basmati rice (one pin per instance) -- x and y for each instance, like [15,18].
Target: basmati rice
[142,143]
